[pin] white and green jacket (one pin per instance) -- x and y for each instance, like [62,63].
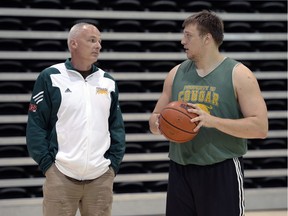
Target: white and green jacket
[75,123]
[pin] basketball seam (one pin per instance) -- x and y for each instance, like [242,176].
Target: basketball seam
[181,112]
[178,127]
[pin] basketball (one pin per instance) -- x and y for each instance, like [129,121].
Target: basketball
[174,122]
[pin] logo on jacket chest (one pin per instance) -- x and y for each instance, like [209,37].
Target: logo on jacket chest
[101,90]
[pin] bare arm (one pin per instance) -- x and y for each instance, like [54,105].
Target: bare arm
[255,121]
[164,99]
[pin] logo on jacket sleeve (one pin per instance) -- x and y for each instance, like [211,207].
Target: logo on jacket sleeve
[101,90]
[32,107]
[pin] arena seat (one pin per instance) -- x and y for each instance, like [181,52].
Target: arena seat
[12,109]
[165,46]
[11,24]
[276,143]
[162,26]
[12,172]
[48,4]
[131,106]
[85,5]
[127,46]
[237,7]
[132,167]
[194,6]
[12,45]
[134,148]
[130,187]
[134,127]
[272,7]
[276,104]
[48,45]
[273,85]
[12,193]
[272,46]
[130,86]
[163,5]
[237,46]
[127,26]
[127,5]
[238,27]
[12,130]
[47,25]
[127,66]
[12,4]
[12,88]
[270,27]
[13,151]
[12,66]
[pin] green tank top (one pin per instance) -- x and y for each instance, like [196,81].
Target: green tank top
[214,93]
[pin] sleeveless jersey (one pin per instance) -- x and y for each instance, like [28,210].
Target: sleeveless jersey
[215,94]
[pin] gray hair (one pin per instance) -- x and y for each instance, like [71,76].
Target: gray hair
[75,31]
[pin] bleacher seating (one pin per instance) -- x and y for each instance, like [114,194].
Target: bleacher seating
[141,43]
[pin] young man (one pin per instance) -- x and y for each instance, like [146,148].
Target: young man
[75,130]
[206,173]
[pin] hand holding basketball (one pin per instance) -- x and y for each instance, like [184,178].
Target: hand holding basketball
[175,124]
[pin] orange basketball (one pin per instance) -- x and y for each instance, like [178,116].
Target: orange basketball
[174,122]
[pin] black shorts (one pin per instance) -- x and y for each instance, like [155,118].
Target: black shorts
[213,190]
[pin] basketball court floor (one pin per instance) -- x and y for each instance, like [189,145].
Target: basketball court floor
[266,213]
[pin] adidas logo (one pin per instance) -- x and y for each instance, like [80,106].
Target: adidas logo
[67,90]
